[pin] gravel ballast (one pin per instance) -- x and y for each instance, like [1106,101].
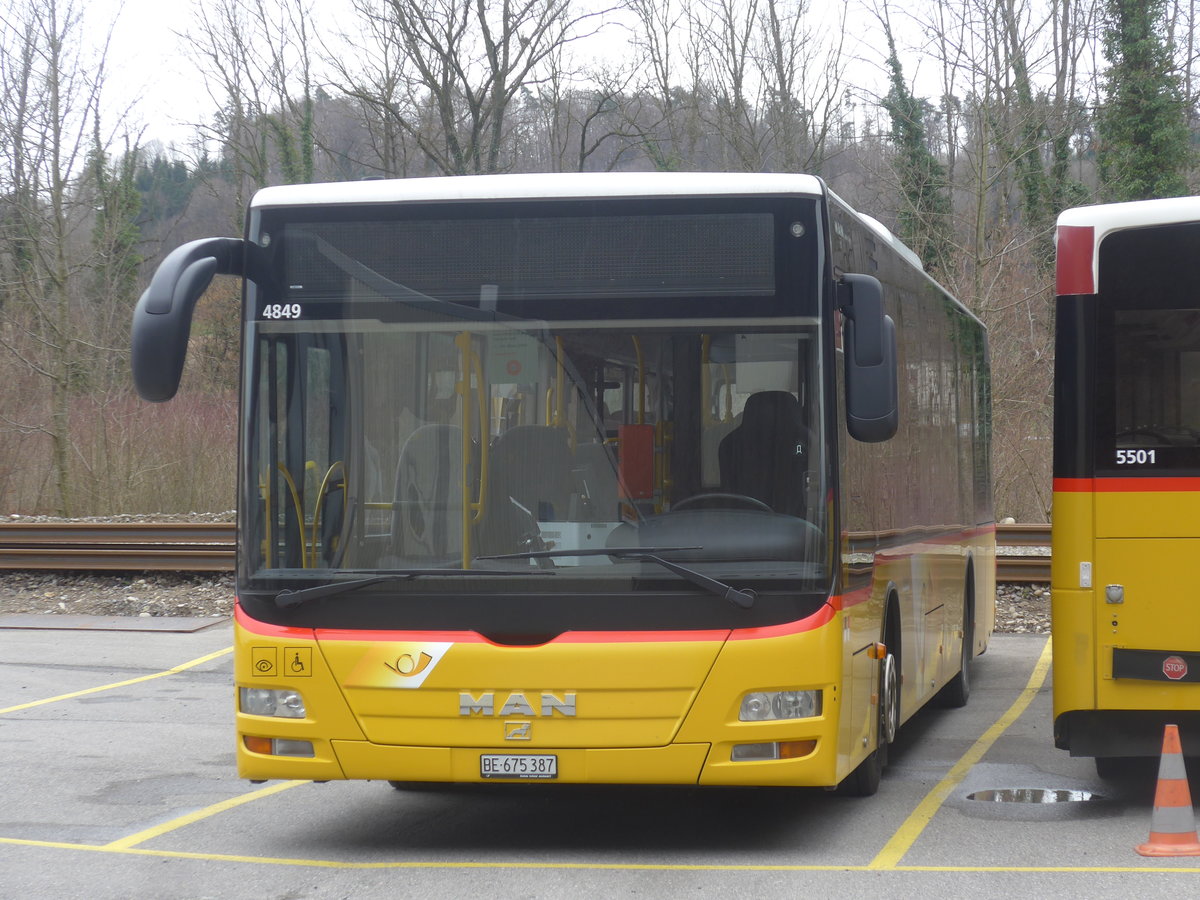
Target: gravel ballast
[1020,608]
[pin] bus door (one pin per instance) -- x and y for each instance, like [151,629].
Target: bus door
[302,415]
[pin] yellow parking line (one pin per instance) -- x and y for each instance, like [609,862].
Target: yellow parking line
[134,839]
[109,687]
[907,834]
[1157,871]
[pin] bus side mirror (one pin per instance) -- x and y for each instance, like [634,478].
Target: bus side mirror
[872,404]
[162,319]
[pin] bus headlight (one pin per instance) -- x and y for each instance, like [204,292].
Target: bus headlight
[765,706]
[286,704]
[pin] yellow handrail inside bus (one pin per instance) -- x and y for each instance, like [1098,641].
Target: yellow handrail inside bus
[462,341]
[555,402]
[471,366]
[264,489]
[322,492]
[287,476]
[485,440]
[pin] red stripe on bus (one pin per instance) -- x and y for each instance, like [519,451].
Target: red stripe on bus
[818,619]
[1124,485]
[1076,249]
[266,629]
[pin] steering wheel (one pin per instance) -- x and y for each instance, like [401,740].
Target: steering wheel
[722,499]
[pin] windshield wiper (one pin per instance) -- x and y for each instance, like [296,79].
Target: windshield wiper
[743,599]
[289,598]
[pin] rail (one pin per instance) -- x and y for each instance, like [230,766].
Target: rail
[209,547]
[118,546]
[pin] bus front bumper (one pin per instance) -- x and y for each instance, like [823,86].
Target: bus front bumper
[682,764]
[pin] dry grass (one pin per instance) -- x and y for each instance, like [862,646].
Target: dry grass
[126,455]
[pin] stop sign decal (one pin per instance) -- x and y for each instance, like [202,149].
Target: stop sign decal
[1175,667]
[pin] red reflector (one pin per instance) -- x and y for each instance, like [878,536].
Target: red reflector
[1076,249]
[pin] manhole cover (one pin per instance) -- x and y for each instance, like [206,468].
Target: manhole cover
[1033,795]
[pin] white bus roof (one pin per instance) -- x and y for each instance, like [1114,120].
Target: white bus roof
[535,187]
[1106,217]
[1078,270]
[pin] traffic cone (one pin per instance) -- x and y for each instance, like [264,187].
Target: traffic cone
[1173,826]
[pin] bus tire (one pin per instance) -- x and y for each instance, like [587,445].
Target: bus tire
[1116,768]
[418,787]
[957,691]
[864,780]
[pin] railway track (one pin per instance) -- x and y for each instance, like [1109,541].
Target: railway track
[118,546]
[187,547]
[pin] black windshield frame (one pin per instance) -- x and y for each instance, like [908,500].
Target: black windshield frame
[646,599]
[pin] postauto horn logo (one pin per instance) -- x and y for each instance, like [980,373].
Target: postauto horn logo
[403,665]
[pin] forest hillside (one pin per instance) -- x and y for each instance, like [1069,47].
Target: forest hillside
[965,126]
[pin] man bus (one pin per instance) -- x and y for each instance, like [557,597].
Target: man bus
[673,479]
[1125,626]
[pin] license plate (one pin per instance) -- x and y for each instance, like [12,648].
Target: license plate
[518,765]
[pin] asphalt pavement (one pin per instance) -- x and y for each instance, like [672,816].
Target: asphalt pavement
[119,782]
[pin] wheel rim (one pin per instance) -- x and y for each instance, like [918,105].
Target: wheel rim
[890,701]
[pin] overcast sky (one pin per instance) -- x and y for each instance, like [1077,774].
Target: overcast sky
[145,60]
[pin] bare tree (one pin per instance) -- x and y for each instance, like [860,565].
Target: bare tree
[775,79]
[664,107]
[64,245]
[453,69]
[1012,114]
[256,60]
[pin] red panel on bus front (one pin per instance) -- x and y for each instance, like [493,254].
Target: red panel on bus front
[1076,248]
[637,460]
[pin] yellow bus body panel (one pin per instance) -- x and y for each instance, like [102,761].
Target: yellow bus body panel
[1073,608]
[1141,544]
[646,710]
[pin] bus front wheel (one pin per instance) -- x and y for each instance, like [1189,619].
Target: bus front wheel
[864,780]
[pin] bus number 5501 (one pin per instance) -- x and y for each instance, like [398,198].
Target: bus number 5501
[1135,457]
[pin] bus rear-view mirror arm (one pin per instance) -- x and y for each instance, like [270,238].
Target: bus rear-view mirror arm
[162,319]
[872,404]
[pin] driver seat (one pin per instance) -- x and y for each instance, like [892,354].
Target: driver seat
[766,456]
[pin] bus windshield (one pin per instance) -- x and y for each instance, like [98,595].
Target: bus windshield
[502,397]
[1156,378]
[1148,392]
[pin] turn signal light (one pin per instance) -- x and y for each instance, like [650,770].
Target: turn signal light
[278,746]
[772,750]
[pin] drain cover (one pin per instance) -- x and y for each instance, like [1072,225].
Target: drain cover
[1033,795]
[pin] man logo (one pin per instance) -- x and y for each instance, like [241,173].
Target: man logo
[515,704]
[518,731]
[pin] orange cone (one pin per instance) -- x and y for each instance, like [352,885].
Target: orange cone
[1173,826]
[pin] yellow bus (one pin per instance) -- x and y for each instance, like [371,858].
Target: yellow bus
[622,478]
[1126,628]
